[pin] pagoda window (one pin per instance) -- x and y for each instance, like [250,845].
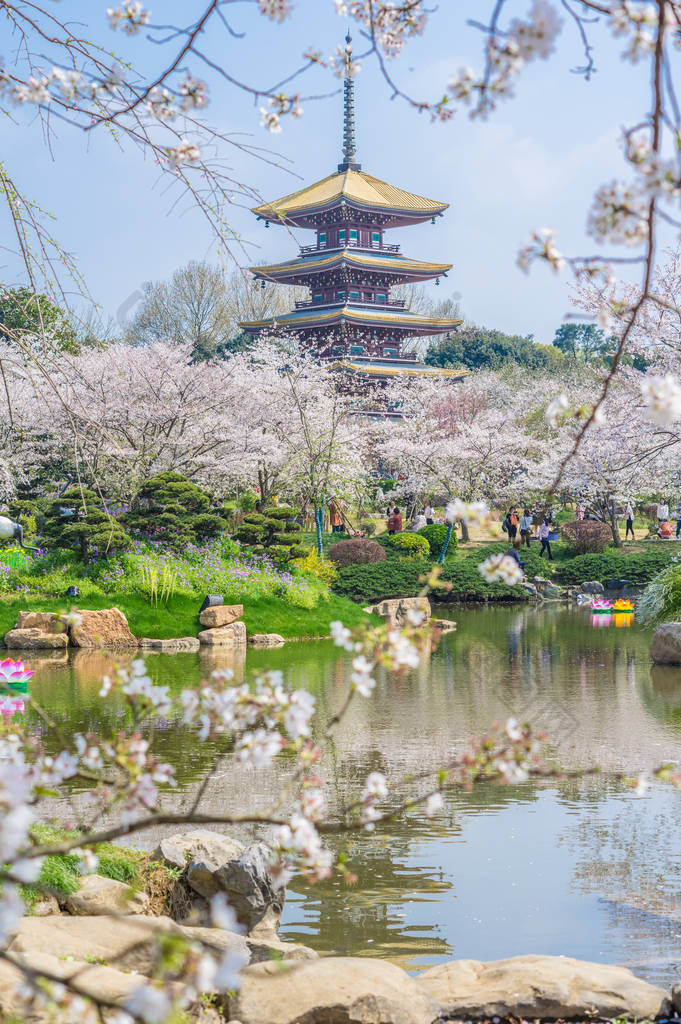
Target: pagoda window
[381,297]
[338,350]
[322,239]
[340,296]
[317,298]
[390,352]
[341,235]
[354,295]
[357,350]
[353,234]
[376,238]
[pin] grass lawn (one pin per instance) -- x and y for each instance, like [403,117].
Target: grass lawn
[180,617]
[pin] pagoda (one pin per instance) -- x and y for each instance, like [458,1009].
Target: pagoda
[350,317]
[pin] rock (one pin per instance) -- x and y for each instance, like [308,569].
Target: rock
[266,640]
[676,998]
[395,610]
[247,883]
[224,636]
[46,622]
[96,980]
[126,942]
[45,906]
[35,640]
[665,648]
[529,588]
[551,593]
[105,628]
[265,948]
[182,643]
[221,615]
[342,990]
[98,895]
[441,626]
[199,845]
[540,987]
[540,581]
[593,587]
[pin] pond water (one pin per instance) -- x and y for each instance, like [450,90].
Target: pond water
[586,869]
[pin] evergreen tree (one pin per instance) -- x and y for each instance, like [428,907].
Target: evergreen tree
[26,315]
[480,348]
[78,520]
[172,509]
[275,532]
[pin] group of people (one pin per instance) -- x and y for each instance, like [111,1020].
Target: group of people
[519,530]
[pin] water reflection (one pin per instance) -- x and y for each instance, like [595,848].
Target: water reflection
[583,869]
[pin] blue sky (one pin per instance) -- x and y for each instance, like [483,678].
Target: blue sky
[536,162]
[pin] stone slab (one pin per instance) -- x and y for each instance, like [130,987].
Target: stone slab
[35,640]
[221,615]
[225,636]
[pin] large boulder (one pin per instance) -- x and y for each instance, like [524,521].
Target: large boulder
[260,949]
[665,648]
[246,881]
[342,990]
[220,615]
[46,622]
[35,640]
[266,640]
[95,980]
[98,895]
[593,587]
[394,610]
[224,636]
[127,942]
[540,987]
[105,628]
[199,845]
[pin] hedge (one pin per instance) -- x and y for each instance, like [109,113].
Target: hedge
[402,578]
[639,567]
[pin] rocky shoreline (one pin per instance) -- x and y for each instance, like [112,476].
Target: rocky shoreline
[107,938]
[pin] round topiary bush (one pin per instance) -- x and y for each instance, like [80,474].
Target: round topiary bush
[435,535]
[586,536]
[356,552]
[410,544]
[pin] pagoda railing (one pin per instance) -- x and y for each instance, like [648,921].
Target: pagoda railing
[308,250]
[393,304]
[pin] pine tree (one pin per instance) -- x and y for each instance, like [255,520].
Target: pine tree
[171,509]
[79,520]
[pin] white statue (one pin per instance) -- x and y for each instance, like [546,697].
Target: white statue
[9,530]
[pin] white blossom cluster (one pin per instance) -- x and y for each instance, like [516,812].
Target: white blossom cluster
[165,105]
[507,54]
[131,16]
[556,410]
[662,397]
[63,84]
[501,568]
[391,21]
[270,116]
[473,513]
[185,152]
[541,246]
[635,20]
[276,10]
[618,215]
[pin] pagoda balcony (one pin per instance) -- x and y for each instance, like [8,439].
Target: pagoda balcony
[394,304]
[310,250]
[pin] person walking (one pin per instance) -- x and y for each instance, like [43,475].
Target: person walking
[677,513]
[511,523]
[525,527]
[429,514]
[629,513]
[544,538]
[335,516]
[662,511]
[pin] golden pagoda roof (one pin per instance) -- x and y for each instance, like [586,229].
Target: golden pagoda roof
[379,369]
[364,259]
[371,315]
[355,187]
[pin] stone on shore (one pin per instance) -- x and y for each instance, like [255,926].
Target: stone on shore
[266,640]
[35,640]
[395,609]
[224,636]
[540,987]
[665,648]
[101,896]
[199,845]
[127,943]
[105,628]
[172,646]
[246,881]
[441,626]
[342,990]
[220,615]
[593,587]
[46,622]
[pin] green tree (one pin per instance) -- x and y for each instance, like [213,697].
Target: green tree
[78,520]
[582,341]
[478,348]
[275,531]
[171,509]
[27,318]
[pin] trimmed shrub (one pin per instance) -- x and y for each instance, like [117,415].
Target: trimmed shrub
[274,532]
[435,535]
[172,509]
[586,536]
[356,552]
[79,521]
[639,567]
[411,545]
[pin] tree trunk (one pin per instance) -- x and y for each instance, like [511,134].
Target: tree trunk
[465,537]
[614,529]
[263,482]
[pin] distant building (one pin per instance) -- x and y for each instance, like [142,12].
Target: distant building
[350,318]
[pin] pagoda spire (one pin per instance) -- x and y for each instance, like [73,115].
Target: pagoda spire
[349,152]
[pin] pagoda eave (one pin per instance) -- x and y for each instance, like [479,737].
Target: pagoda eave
[348,317]
[343,264]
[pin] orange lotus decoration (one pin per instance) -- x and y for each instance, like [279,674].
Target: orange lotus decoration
[623,605]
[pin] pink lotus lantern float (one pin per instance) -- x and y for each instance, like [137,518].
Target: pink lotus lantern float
[600,607]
